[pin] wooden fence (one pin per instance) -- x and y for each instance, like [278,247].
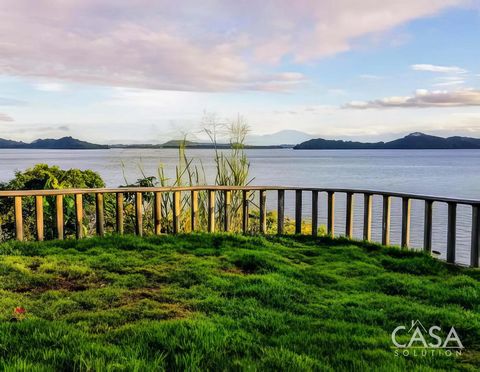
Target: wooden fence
[262,191]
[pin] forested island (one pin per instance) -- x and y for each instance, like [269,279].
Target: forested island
[65,143]
[414,141]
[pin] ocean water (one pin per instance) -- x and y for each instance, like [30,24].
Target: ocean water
[453,173]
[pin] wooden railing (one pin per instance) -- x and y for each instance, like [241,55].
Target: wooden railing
[262,191]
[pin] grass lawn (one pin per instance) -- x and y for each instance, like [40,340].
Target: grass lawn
[227,302]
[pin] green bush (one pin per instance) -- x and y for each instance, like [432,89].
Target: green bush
[43,177]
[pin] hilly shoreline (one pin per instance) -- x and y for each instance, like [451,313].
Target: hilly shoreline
[413,141]
[65,143]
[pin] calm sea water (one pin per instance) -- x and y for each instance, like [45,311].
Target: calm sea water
[454,173]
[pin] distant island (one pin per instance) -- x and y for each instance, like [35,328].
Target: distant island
[419,141]
[65,143]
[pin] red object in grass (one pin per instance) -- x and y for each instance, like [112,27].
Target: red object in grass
[19,310]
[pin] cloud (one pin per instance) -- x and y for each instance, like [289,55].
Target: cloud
[217,45]
[50,87]
[5,117]
[423,98]
[440,69]
[449,81]
[454,75]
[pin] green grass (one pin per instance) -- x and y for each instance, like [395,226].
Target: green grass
[226,302]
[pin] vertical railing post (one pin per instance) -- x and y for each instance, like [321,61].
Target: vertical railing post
[59,216]
[227,201]
[331,214]
[281,212]
[157,212]
[100,215]
[39,218]
[211,211]
[387,203]
[18,218]
[245,211]
[367,217]
[119,213]
[139,213]
[314,212]
[475,248]
[427,226]
[451,232]
[176,212]
[349,216]
[263,211]
[78,216]
[298,211]
[406,204]
[194,209]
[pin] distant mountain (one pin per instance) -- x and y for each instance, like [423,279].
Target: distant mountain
[415,140]
[279,138]
[8,144]
[65,143]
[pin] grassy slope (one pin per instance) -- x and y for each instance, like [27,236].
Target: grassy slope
[226,302]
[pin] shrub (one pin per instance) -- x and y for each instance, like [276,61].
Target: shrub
[42,177]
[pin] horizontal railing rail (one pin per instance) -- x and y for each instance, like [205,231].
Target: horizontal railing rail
[226,191]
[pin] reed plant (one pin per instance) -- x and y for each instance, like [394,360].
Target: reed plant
[231,169]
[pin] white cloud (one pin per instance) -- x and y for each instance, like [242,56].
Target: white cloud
[440,69]
[449,83]
[423,98]
[50,87]
[199,46]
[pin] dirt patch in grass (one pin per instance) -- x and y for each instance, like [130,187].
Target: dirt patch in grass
[60,284]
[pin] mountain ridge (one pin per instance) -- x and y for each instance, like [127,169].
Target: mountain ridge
[64,143]
[415,140]
[412,141]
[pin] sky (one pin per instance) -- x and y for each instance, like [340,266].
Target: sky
[118,71]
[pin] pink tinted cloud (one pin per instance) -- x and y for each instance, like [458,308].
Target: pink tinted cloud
[216,45]
[423,98]
[5,117]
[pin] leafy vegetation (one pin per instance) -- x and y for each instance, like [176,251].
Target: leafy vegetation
[226,302]
[44,177]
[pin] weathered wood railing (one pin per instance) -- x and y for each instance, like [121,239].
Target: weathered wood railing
[262,190]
